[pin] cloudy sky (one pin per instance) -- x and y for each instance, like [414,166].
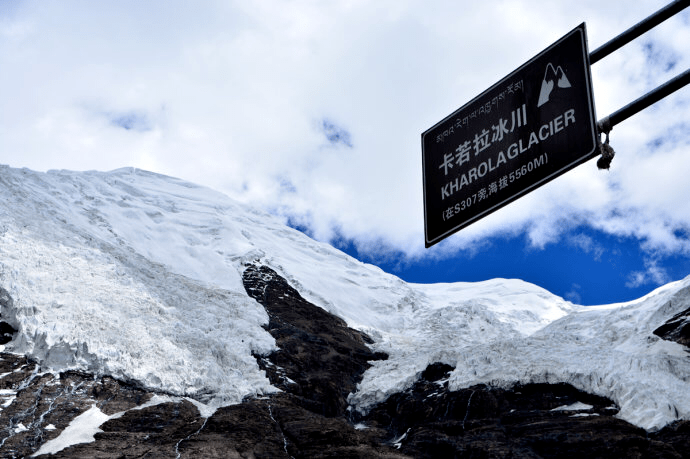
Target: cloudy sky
[313,110]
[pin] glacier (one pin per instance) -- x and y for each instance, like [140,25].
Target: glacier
[138,275]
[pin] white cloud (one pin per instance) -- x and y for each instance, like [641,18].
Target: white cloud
[574,294]
[587,244]
[653,274]
[233,95]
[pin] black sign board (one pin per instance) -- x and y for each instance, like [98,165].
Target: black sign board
[532,126]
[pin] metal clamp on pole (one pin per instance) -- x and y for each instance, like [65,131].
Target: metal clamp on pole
[605,125]
[606,150]
[645,101]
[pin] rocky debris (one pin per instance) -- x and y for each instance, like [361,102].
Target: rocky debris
[38,406]
[677,329]
[677,436]
[156,431]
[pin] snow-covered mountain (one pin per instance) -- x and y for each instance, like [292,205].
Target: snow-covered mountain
[139,276]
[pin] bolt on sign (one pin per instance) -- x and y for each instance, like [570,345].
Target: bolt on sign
[532,126]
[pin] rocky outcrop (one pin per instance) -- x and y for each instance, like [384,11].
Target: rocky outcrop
[530,421]
[677,328]
[37,407]
[6,330]
[318,363]
[320,360]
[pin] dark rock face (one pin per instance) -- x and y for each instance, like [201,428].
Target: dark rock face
[6,330]
[41,405]
[320,360]
[157,432]
[318,363]
[278,427]
[428,421]
[677,329]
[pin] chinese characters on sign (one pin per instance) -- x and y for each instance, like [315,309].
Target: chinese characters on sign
[481,140]
[489,163]
[527,129]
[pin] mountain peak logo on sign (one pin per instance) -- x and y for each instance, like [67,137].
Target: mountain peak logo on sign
[552,76]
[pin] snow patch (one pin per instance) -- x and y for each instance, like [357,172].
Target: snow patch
[20,428]
[577,406]
[82,429]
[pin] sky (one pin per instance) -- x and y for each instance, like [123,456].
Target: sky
[313,111]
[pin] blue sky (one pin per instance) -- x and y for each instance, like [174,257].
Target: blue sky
[614,270]
[313,111]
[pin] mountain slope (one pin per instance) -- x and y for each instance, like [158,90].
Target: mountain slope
[139,276]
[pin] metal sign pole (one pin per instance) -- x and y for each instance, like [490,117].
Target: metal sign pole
[645,101]
[638,29]
[605,124]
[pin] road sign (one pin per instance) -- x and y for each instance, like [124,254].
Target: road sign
[532,126]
